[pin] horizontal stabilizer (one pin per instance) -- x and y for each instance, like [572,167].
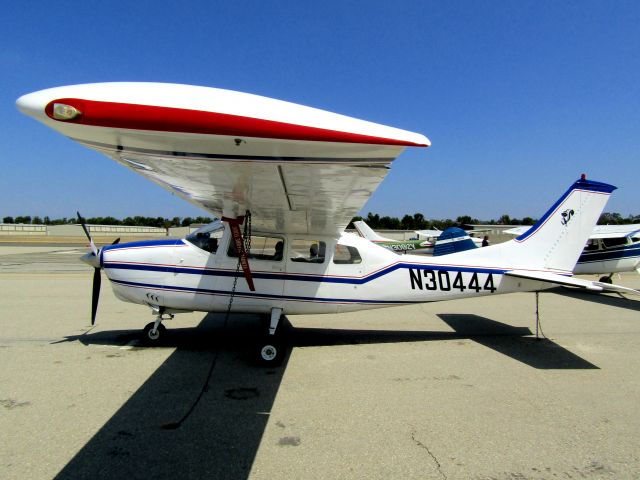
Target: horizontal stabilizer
[570,281]
[609,287]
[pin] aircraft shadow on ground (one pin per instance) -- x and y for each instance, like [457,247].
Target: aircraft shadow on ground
[221,436]
[515,342]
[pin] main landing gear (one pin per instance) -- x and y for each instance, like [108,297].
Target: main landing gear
[270,348]
[154,332]
[606,279]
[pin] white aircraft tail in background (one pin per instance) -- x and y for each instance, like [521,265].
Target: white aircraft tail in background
[365,231]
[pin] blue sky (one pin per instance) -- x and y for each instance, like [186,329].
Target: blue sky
[517,97]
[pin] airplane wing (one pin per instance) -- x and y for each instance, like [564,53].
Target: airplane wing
[599,231]
[615,231]
[570,281]
[297,169]
[517,230]
[428,233]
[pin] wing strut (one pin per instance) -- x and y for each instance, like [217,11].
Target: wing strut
[239,243]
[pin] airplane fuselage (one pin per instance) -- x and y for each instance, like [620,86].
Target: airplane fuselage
[354,274]
[610,255]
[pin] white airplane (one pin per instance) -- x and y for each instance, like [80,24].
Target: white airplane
[403,246]
[292,178]
[610,249]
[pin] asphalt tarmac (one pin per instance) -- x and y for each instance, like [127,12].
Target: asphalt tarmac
[451,390]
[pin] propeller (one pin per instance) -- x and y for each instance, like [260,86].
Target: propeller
[93,259]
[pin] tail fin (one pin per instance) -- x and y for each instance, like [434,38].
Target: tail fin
[365,231]
[453,240]
[556,241]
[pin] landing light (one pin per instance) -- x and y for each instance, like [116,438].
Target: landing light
[62,111]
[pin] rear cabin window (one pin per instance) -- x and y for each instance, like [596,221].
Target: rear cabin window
[308,251]
[262,248]
[346,255]
[614,242]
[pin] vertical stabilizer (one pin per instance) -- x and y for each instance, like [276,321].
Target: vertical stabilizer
[557,239]
[366,232]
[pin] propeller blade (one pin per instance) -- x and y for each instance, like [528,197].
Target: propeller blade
[116,241]
[95,294]
[86,232]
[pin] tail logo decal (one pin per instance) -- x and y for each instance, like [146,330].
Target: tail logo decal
[567,215]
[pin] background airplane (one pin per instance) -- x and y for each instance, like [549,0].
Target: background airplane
[438,242]
[610,249]
[400,246]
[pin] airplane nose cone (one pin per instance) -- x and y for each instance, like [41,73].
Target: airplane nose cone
[90,259]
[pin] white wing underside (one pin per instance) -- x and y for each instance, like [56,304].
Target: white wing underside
[306,197]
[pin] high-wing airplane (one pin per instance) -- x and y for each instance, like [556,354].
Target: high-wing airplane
[444,242]
[400,246]
[285,181]
[610,249]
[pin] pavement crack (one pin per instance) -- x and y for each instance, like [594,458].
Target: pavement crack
[426,448]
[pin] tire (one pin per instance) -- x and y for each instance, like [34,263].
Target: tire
[606,279]
[149,338]
[270,352]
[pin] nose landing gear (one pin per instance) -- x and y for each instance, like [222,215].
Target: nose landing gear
[154,332]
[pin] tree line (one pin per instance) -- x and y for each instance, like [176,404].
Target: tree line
[417,221]
[137,221]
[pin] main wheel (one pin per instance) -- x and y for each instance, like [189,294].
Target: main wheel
[270,352]
[606,279]
[153,338]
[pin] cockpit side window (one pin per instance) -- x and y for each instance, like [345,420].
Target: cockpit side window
[207,237]
[592,245]
[345,254]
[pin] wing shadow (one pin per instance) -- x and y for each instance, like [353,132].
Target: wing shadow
[516,343]
[221,436]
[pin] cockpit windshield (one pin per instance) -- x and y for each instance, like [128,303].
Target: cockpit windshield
[208,236]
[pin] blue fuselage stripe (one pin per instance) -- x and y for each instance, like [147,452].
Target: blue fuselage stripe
[206,291]
[296,277]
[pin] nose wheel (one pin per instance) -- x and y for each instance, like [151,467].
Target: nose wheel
[153,336]
[154,332]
